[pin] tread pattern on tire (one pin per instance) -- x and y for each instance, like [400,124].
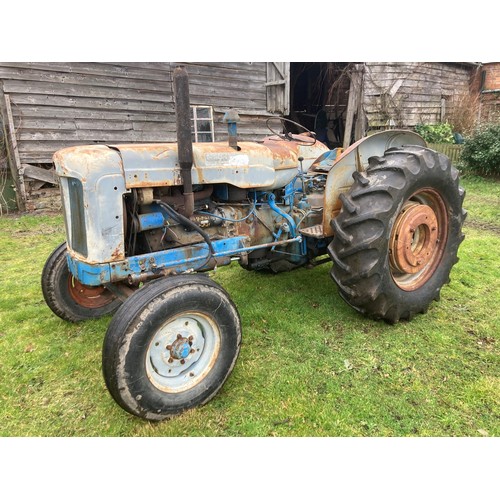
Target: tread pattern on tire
[359,249]
[126,323]
[53,281]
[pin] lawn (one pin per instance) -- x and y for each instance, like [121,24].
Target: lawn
[309,365]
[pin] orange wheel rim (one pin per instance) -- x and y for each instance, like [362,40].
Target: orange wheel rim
[418,239]
[90,297]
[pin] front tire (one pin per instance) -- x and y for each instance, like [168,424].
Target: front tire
[67,297]
[397,235]
[171,346]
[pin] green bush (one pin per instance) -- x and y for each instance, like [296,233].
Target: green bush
[481,151]
[437,133]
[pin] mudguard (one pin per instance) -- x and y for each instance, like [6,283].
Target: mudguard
[355,159]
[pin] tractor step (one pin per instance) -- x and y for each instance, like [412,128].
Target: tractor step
[313,231]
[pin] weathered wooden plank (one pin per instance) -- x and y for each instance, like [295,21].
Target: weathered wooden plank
[423,67]
[45,124]
[93,103]
[385,72]
[352,106]
[62,89]
[163,66]
[227,102]
[411,85]
[93,135]
[13,153]
[40,174]
[79,124]
[239,65]
[23,74]
[154,126]
[209,93]
[158,73]
[51,141]
[230,67]
[412,105]
[205,72]
[46,112]
[226,84]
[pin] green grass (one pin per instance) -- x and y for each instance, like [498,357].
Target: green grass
[309,365]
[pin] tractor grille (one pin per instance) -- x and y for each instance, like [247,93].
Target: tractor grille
[75,220]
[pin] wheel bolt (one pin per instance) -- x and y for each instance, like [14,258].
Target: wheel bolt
[182,361]
[169,347]
[170,360]
[191,351]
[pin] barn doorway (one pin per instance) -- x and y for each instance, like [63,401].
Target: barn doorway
[319,93]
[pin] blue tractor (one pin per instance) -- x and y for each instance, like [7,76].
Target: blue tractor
[144,223]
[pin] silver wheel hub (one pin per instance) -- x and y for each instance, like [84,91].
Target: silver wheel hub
[182,352]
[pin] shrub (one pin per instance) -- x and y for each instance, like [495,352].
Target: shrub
[437,133]
[481,151]
[463,113]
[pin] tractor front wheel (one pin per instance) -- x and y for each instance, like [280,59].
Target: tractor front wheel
[397,235]
[67,297]
[171,346]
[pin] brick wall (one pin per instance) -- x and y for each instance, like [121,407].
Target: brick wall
[489,97]
[492,80]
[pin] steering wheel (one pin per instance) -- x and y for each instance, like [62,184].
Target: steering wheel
[288,136]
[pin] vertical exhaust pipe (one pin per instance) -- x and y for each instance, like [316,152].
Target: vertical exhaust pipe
[184,140]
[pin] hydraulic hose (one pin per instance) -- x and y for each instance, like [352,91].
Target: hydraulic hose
[184,221]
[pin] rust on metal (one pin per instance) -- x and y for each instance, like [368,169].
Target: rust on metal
[413,238]
[418,239]
[91,297]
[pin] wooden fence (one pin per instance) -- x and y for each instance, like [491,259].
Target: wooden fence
[452,151]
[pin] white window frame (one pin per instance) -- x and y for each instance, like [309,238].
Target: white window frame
[195,119]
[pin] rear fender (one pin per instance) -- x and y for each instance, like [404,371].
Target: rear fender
[355,159]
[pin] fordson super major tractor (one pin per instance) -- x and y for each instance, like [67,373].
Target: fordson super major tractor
[145,222]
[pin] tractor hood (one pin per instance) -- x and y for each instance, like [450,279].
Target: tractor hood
[271,164]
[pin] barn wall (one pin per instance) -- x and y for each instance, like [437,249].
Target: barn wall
[408,94]
[55,105]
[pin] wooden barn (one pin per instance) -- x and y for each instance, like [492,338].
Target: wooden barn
[48,106]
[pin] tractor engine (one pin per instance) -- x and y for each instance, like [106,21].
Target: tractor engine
[223,211]
[125,201]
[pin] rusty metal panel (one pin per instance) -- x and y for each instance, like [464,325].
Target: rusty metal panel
[99,170]
[355,158]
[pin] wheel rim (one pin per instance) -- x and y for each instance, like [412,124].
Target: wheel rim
[182,352]
[418,239]
[90,297]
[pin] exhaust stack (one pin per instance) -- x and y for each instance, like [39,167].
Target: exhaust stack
[184,139]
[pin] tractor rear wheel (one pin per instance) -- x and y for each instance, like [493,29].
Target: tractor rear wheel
[67,297]
[397,235]
[171,346]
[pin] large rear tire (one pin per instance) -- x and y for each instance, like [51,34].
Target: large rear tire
[397,235]
[171,346]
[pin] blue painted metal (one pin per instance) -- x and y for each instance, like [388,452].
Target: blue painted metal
[271,199]
[328,158]
[180,348]
[152,220]
[176,260]
[290,191]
